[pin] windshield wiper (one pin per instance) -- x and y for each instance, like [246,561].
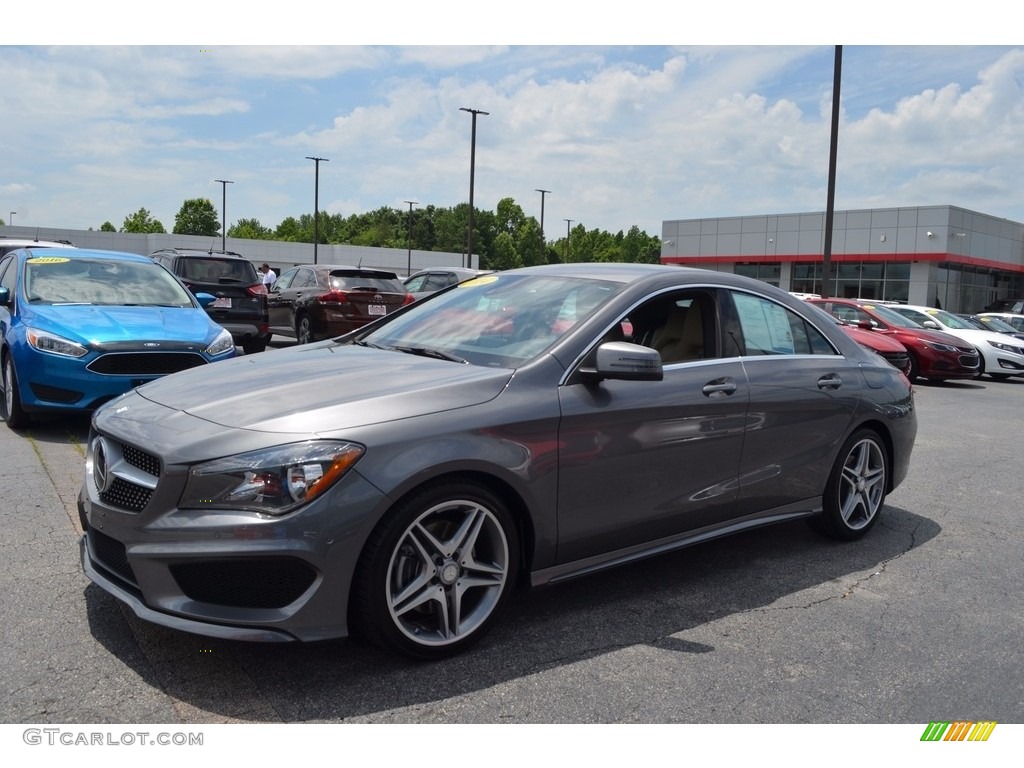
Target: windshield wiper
[362,343]
[437,354]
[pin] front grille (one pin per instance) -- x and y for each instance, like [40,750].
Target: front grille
[898,360]
[126,495]
[138,458]
[145,363]
[969,361]
[111,554]
[245,583]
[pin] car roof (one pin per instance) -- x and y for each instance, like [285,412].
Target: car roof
[467,271]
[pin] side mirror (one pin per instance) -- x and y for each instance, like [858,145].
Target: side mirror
[625,361]
[205,299]
[931,324]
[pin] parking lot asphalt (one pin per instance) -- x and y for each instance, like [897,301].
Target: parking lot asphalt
[919,621]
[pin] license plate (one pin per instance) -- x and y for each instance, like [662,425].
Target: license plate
[222,303]
[377,309]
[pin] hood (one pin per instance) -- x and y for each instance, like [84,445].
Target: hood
[100,324]
[323,387]
[937,337]
[876,341]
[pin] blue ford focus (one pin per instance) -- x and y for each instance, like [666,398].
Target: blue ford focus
[80,327]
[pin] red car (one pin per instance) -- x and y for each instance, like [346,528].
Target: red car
[884,346]
[934,355]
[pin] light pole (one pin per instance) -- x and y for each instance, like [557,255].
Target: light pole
[316,202]
[408,266]
[472,173]
[223,211]
[565,257]
[542,193]
[10,219]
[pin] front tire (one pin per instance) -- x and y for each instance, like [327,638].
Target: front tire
[437,571]
[15,416]
[856,488]
[915,368]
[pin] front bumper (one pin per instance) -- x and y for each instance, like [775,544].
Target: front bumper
[220,573]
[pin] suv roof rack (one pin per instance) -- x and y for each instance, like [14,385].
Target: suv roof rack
[204,251]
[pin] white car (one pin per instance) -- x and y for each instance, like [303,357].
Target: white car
[8,244]
[1002,356]
[1017,321]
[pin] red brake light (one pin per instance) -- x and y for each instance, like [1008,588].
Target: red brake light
[257,290]
[333,297]
[409,299]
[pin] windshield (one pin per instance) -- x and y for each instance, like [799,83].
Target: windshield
[892,317]
[949,320]
[59,280]
[994,324]
[495,320]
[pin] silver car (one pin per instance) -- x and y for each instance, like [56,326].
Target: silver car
[528,426]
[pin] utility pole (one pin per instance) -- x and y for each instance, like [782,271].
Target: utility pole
[408,266]
[316,202]
[565,256]
[223,211]
[826,260]
[542,193]
[472,174]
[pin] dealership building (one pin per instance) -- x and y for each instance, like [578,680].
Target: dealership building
[940,255]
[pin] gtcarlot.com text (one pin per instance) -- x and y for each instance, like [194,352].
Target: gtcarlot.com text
[72,738]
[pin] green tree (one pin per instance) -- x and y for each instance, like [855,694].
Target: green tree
[142,222]
[509,217]
[289,230]
[503,255]
[106,226]
[250,229]
[197,217]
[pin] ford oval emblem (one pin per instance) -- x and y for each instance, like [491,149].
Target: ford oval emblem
[151,344]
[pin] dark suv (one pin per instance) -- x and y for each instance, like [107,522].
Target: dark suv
[311,302]
[240,298]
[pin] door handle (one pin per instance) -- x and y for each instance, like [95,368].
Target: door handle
[719,388]
[830,381]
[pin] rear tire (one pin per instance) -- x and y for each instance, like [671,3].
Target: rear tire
[304,330]
[856,488]
[255,344]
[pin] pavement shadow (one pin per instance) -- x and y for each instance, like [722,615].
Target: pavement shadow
[643,603]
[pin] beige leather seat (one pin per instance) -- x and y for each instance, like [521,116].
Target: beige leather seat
[682,336]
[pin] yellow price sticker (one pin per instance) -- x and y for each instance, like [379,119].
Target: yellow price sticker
[49,260]
[484,280]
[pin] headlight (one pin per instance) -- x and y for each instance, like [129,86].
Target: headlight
[221,344]
[54,344]
[1006,347]
[272,481]
[940,347]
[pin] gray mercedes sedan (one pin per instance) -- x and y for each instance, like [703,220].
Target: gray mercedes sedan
[524,427]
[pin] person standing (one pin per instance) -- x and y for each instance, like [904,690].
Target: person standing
[269,276]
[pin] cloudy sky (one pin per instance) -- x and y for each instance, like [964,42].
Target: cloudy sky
[621,134]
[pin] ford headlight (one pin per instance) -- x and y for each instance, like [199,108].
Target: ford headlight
[54,344]
[272,481]
[221,344]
